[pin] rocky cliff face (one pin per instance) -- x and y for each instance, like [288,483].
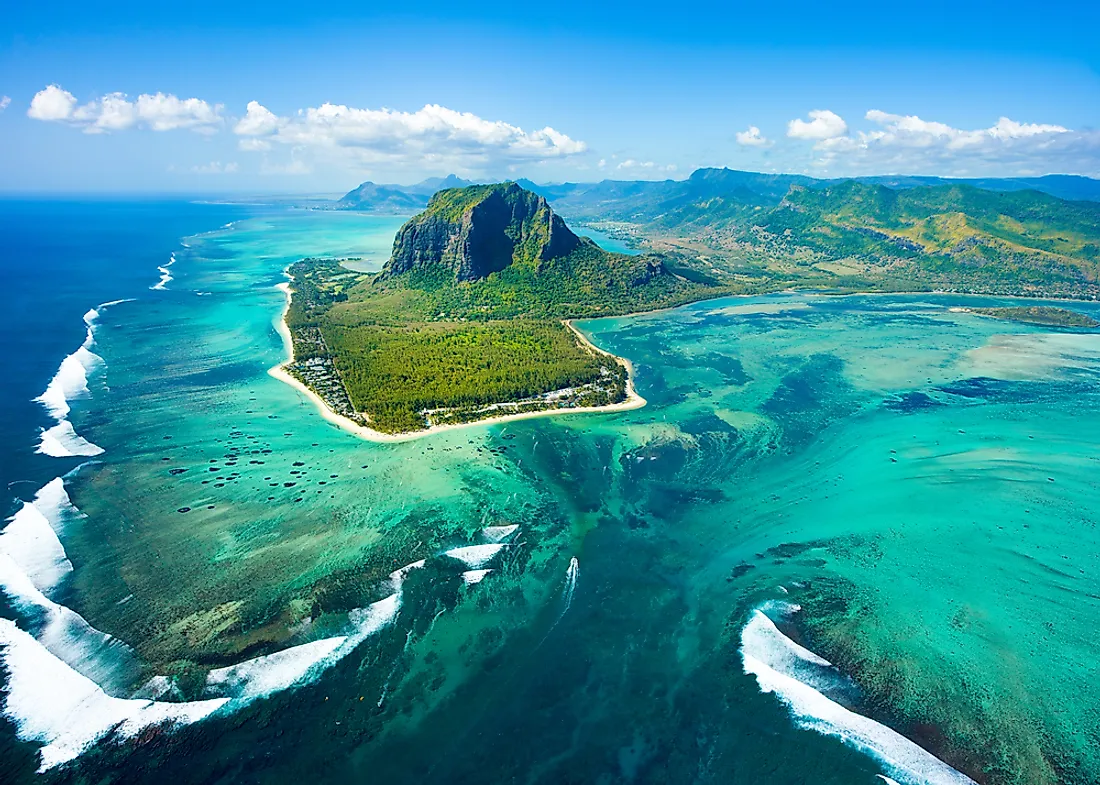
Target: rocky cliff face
[480,230]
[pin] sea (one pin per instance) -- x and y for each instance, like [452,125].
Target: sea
[848,539]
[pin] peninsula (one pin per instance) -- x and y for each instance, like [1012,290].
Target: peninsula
[470,319]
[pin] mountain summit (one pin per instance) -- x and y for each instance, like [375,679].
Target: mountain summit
[480,230]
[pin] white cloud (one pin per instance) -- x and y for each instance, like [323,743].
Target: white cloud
[823,124]
[52,104]
[910,144]
[115,112]
[215,167]
[258,121]
[752,138]
[644,169]
[5,102]
[434,135]
[913,131]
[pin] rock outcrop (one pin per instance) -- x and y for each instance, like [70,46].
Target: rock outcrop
[479,230]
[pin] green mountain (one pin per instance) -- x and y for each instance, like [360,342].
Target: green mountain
[729,190]
[946,236]
[480,230]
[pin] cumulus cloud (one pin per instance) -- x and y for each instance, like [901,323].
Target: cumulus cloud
[752,138]
[5,102]
[258,121]
[908,143]
[116,112]
[434,134]
[823,124]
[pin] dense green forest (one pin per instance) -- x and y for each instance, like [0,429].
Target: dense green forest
[1041,314]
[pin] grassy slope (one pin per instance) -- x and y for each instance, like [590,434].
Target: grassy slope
[854,235]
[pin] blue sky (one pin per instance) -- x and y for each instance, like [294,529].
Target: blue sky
[284,97]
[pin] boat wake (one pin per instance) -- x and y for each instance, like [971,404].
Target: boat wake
[810,687]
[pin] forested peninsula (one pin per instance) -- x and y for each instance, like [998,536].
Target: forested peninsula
[469,318]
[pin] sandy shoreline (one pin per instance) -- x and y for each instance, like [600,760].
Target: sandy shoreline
[633,400]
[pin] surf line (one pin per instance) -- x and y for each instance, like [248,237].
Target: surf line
[66,679]
[70,383]
[802,681]
[165,275]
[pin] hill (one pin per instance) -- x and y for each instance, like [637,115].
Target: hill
[944,236]
[396,199]
[465,321]
[773,231]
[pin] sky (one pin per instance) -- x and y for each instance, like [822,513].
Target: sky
[316,98]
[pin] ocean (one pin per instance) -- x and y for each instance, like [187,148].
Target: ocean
[849,539]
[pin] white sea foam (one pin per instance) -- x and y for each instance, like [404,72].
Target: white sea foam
[498,533]
[67,635]
[165,275]
[71,380]
[475,556]
[779,665]
[67,385]
[30,537]
[262,676]
[62,441]
[53,704]
[397,577]
[369,620]
[271,673]
[474,576]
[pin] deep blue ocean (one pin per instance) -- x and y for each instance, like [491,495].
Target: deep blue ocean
[58,259]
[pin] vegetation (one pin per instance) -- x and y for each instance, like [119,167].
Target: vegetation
[854,235]
[465,317]
[465,321]
[1041,314]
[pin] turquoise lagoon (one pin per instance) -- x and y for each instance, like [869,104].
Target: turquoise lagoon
[887,484]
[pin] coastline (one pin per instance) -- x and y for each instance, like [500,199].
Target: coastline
[633,399]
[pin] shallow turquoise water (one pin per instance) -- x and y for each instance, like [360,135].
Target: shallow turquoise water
[921,481]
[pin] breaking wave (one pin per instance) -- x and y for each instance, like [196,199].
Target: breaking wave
[498,533]
[62,441]
[70,383]
[67,712]
[65,677]
[809,685]
[472,577]
[475,556]
[165,275]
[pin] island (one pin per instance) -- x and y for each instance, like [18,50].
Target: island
[1044,315]
[471,319]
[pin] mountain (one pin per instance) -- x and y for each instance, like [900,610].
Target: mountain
[480,230]
[724,192]
[938,236]
[465,321]
[396,199]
